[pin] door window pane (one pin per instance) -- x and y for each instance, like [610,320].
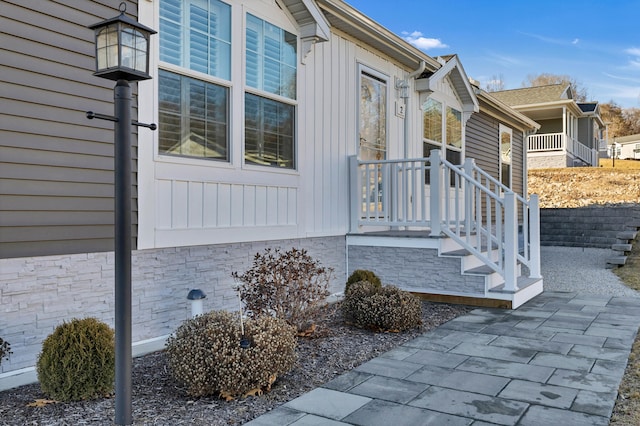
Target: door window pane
[373,117]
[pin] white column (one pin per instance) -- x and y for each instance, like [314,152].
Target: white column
[354,194]
[534,237]
[510,242]
[436,194]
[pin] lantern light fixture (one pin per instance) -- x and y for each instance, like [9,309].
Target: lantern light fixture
[122,48]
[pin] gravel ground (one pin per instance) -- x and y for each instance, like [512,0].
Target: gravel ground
[157,400]
[581,270]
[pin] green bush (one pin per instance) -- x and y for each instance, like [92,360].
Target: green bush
[205,354]
[5,350]
[77,361]
[291,286]
[362,275]
[381,308]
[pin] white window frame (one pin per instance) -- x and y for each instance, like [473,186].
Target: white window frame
[267,16]
[504,129]
[266,11]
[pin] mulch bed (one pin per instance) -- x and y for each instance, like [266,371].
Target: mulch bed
[157,400]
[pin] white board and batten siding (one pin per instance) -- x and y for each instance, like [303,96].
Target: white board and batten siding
[202,202]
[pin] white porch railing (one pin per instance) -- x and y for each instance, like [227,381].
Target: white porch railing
[562,142]
[462,202]
[547,142]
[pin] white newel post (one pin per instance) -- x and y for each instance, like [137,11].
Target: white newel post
[436,193]
[354,193]
[469,166]
[510,242]
[534,236]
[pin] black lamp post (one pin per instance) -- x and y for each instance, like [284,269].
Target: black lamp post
[122,55]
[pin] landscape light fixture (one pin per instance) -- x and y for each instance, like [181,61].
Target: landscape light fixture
[196,296]
[122,55]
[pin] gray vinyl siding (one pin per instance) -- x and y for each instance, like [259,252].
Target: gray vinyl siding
[482,143]
[550,126]
[56,166]
[483,146]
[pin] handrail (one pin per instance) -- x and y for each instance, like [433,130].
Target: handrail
[462,202]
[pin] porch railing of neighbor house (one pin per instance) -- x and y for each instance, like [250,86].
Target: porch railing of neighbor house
[562,142]
[461,202]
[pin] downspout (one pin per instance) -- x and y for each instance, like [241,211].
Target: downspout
[403,86]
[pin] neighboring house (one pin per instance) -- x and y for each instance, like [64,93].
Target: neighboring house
[627,147]
[281,123]
[591,128]
[570,132]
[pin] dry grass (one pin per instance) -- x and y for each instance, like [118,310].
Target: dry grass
[584,186]
[607,163]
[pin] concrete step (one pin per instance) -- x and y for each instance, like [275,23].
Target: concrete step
[627,235]
[616,261]
[523,283]
[621,247]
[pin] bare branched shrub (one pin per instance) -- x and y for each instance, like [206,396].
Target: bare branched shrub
[205,354]
[290,285]
[381,308]
[5,350]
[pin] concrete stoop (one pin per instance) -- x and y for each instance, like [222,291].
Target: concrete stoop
[623,246]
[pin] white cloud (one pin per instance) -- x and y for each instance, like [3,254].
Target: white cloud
[423,43]
[575,41]
[635,51]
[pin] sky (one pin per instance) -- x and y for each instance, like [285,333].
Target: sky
[596,42]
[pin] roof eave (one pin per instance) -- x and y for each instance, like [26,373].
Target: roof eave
[508,111]
[364,28]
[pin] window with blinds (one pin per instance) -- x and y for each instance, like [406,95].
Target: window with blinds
[196,34]
[271,58]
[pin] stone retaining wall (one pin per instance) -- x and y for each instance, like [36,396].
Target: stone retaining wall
[593,226]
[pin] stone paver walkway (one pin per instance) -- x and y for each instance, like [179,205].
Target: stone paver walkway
[557,360]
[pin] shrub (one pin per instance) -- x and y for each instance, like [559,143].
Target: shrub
[205,355]
[381,308]
[77,361]
[290,286]
[362,275]
[5,350]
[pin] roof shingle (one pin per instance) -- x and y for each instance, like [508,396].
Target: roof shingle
[534,95]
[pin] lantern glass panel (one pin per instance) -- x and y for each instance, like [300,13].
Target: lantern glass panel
[134,49]
[107,47]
